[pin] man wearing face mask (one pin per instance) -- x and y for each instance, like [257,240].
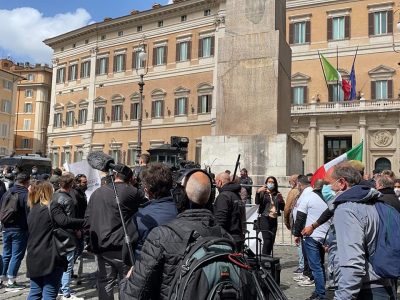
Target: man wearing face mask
[34,174]
[397,188]
[385,185]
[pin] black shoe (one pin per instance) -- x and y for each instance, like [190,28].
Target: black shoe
[313,296]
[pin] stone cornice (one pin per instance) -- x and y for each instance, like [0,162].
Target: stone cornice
[139,19]
[293,4]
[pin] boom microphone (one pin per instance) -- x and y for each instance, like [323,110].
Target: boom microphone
[100,161]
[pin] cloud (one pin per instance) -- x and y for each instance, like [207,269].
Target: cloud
[22,31]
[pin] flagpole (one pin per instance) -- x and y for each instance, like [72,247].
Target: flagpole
[354,60]
[352,66]
[337,68]
[323,71]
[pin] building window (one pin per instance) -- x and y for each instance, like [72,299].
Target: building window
[99,114]
[157,109]
[82,116]
[29,77]
[299,95]
[207,12]
[102,66]
[27,107]
[25,143]
[66,156]
[120,33]
[135,111]
[181,106]
[8,85]
[85,69]
[380,22]
[197,155]
[116,113]
[204,104]
[335,93]
[28,93]
[73,45]
[119,62]
[6,106]
[72,72]
[27,124]
[206,47]
[160,55]
[54,158]
[183,18]
[86,41]
[57,120]
[69,119]
[78,155]
[139,28]
[60,76]
[160,23]
[338,28]
[132,155]
[4,130]
[183,50]
[382,164]
[299,32]
[382,89]
[103,37]
[116,155]
[336,146]
[137,63]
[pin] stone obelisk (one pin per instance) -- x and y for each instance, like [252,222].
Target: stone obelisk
[253,93]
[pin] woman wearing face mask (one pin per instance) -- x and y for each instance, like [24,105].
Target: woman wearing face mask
[270,203]
[397,188]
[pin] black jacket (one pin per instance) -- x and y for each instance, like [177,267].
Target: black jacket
[102,216]
[161,254]
[23,208]
[264,200]
[389,197]
[67,202]
[41,258]
[81,202]
[229,210]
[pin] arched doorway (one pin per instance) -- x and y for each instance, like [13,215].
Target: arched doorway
[383,163]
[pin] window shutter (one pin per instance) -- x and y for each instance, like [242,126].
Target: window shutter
[330,93]
[113,113]
[292,94]
[81,70]
[201,48]
[75,156]
[131,114]
[291,33]
[329,29]
[129,157]
[186,105]
[390,89]
[133,60]
[69,73]
[165,54]
[154,56]
[178,53]
[153,109]
[115,63]
[209,103]
[371,24]
[107,64]
[199,104]
[189,54]
[62,157]
[373,94]
[97,66]
[347,27]
[305,94]
[390,21]
[162,108]
[124,62]
[212,45]
[76,71]
[308,31]
[176,107]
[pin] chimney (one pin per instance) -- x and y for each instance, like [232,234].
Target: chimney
[156,5]
[134,12]
[106,19]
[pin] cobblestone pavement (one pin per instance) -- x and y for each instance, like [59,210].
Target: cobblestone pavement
[87,289]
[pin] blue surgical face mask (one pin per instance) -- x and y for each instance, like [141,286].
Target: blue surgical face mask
[270,186]
[327,192]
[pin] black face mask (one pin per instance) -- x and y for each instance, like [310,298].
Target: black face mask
[82,188]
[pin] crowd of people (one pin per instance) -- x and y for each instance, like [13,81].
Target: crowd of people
[153,212]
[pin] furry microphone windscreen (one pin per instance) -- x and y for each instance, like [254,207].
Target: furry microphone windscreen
[100,161]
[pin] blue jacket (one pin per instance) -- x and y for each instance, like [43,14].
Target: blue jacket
[22,207]
[356,223]
[154,213]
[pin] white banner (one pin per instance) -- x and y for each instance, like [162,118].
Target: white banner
[93,176]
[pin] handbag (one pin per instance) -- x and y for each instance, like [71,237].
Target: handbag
[63,241]
[257,225]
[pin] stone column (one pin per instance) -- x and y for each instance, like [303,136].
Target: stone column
[312,146]
[39,129]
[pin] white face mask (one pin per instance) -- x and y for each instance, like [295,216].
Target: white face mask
[397,191]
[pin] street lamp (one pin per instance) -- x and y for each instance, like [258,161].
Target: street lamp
[142,68]
[398,29]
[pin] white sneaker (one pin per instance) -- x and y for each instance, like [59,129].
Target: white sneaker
[306,282]
[300,277]
[71,297]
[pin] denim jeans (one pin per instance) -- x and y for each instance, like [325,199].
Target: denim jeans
[66,276]
[45,287]
[301,257]
[14,247]
[315,254]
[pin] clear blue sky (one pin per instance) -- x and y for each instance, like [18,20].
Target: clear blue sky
[24,24]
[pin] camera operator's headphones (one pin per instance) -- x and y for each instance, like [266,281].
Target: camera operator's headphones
[179,190]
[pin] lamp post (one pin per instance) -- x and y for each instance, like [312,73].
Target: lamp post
[398,29]
[142,68]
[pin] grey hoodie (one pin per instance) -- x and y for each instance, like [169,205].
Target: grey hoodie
[356,223]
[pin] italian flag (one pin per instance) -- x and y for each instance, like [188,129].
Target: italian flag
[354,153]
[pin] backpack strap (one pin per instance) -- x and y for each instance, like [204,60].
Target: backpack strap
[188,235]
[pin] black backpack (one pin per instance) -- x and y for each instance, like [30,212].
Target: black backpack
[9,208]
[209,269]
